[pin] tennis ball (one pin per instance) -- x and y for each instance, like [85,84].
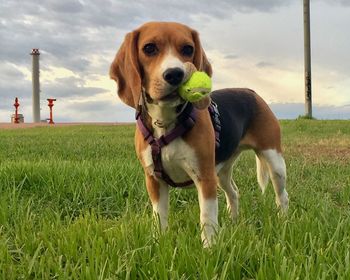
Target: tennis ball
[196,87]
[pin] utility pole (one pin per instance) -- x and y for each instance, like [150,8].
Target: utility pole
[307,60]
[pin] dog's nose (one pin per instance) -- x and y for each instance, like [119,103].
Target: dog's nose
[173,76]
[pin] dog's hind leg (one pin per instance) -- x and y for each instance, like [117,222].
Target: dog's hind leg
[277,170]
[229,187]
[262,172]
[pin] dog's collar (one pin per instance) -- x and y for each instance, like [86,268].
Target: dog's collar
[145,99]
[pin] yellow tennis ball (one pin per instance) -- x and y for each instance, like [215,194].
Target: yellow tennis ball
[196,87]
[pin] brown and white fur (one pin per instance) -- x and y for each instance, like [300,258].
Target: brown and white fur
[141,64]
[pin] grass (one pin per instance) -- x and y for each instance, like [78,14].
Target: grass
[73,206]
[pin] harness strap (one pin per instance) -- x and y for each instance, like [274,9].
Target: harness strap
[215,119]
[186,121]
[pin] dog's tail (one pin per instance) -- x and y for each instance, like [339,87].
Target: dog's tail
[262,172]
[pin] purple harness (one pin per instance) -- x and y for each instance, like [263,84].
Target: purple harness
[185,122]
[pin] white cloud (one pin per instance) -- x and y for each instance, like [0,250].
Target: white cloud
[256,44]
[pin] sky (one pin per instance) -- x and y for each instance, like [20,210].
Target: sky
[250,43]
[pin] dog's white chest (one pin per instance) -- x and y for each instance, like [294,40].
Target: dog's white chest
[178,160]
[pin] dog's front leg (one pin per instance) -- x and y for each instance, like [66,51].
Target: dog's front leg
[208,205]
[159,195]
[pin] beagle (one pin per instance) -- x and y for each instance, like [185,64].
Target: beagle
[150,65]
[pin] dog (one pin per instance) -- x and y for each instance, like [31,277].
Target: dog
[150,65]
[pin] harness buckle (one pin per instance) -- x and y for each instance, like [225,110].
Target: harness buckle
[155,148]
[158,173]
[162,141]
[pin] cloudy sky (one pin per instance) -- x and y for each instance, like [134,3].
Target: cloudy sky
[250,43]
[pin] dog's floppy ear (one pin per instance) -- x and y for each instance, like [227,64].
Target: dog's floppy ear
[125,70]
[200,59]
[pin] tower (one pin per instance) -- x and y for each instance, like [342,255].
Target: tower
[36,85]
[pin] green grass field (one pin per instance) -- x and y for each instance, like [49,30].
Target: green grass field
[73,205]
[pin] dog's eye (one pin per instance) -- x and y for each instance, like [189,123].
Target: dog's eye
[150,49]
[187,50]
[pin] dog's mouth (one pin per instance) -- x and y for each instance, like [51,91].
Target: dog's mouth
[171,96]
[171,99]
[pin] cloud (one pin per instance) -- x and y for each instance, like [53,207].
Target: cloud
[8,71]
[250,43]
[94,111]
[294,110]
[13,84]
[345,3]
[264,64]
[231,56]
[67,7]
[70,87]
